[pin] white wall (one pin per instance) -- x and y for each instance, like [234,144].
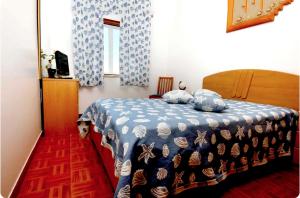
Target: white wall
[56,35]
[20,111]
[199,44]
[189,41]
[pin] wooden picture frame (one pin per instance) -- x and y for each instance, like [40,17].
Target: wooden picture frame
[246,13]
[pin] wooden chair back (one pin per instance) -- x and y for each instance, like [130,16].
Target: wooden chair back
[165,84]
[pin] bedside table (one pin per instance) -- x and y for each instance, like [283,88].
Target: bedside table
[60,105]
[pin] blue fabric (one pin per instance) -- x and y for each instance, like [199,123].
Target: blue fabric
[162,149]
[177,96]
[211,103]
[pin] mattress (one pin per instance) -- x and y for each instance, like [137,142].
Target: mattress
[163,149]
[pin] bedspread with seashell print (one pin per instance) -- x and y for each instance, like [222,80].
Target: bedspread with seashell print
[162,149]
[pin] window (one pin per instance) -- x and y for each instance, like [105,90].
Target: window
[111,46]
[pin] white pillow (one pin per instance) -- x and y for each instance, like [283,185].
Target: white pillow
[205,92]
[177,96]
[210,103]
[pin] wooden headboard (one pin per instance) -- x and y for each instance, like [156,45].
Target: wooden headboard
[261,86]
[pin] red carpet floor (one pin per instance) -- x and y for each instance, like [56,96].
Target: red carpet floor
[66,166]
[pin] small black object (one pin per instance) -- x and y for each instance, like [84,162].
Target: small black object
[62,64]
[51,72]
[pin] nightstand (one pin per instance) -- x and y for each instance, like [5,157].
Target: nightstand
[60,105]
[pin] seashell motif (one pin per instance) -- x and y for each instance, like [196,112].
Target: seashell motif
[254,142]
[223,167]
[200,138]
[163,130]
[139,131]
[139,178]
[212,123]
[248,119]
[165,150]
[192,177]
[182,127]
[269,126]
[234,118]
[195,159]
[273,141]
[258,118]
[235,150]
[141,120]
[258,128]
[210,157]
[226,134]
[240,133]
[221,148]
[289,136]
[125,129]
[176,159]
[244,160]
[271,153]
[281,148]
[111,134]
[283,123]
[160,192]
[280,135]
[122,120]
[249,133]
[118,166]
[181,142]
[161,173]
[126,168]
[213,139]
[226,122]
[209,172]
[107,123]
[193,121]
[263,114]
[125,148]
[275,115]
[246,147]
[124,192]
[266,142]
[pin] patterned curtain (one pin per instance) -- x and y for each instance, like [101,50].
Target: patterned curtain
[134,40]
[87,43]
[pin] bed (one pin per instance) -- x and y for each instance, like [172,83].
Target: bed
[159,149]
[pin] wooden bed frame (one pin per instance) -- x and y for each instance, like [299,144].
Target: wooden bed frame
[261,86]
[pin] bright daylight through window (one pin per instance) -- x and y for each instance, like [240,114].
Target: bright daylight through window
[111,49]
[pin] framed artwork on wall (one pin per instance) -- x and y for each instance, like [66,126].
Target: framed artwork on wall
[246,13]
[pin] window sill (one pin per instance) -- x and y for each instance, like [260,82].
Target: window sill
[111,75]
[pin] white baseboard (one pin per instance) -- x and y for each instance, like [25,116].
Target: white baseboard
[23,167]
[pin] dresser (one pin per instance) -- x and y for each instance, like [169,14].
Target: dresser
[60,105]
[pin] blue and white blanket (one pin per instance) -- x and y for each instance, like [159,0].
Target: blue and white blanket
[162,149]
